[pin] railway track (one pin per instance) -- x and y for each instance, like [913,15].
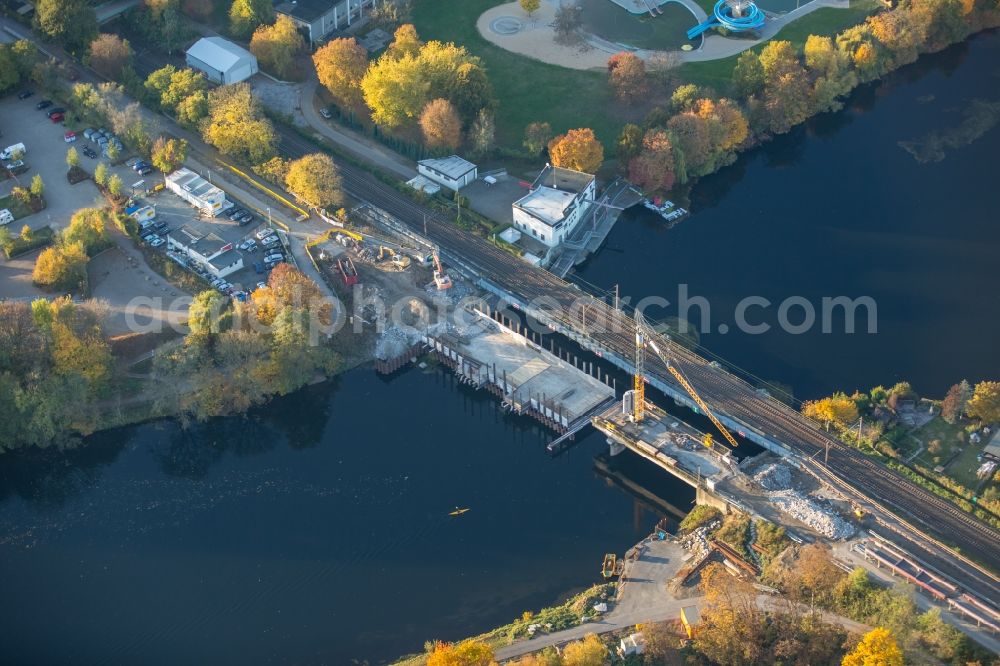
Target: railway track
[727,393]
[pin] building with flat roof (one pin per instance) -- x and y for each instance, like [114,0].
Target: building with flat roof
[452,172]
[221,60]
[203,245]
[319,19]
[197,191]
[559,199]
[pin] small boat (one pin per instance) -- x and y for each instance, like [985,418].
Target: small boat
[458,512]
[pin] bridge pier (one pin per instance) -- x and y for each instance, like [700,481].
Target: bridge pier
[614,448]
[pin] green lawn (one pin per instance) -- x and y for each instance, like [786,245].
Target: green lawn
[16,207]
[667,31]
[528,90]
[953,439]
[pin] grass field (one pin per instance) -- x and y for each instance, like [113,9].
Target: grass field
[531,91]
[528,90]
[667,31]
[953,439]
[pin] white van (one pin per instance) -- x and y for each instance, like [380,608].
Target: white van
[6,217]
[11,150]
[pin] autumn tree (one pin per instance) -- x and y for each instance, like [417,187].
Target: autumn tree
[629,142]
[468,88]
[536,137]
[199,10]
[168,154]
[953,405]
[340,65]
[115,185]
[71,23]
[748,74]
[61,268]
[985,402]
[838,408]
[440,124]
[101,174]
[567,23]
[786,86]
[588,652]
[405,41]
[236,124]
[578,149]
[466,653]
[627,76]
[877,648]
[653,168]
[89,228]
[170,87]
[109,54]
[315,180]
[207,313]
[276,46]
[732,625]
[530,6]
[9,76]
[482,132]
[684,97]
[72,157]
[193,109]
[245,16]
[37,186]
[395,89]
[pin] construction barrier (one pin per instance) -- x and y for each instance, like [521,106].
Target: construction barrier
[303,214]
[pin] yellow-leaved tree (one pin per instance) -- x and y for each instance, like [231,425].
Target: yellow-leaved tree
[877,648]
[838,408]
[577,149]
[466,653]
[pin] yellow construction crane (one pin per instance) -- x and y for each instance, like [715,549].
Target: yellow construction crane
[645,336]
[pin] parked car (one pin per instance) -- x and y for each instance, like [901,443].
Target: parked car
[89,152]
[58,118]
[156,241]
[134,163]
[17,167]
[89,132]
[44,104]
[96,135]
[261,285]
[245,219]
[235,213]
[325,112]
[145,171]
[264,233]
[160,226]
[69,137]
[274,256]
[224,287]
[215,282]
[248,245]
[270,241]
[56,110]
[148,236]
[25,94]
[271,263]
[259,267]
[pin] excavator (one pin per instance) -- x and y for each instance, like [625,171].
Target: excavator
[441,279]
[645,336]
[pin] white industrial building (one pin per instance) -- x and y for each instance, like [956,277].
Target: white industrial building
[197,191]
[213,253]
[451,172]
[319,19]
[559,199]
[221,60]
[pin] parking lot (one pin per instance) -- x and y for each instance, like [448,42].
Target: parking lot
[178,214]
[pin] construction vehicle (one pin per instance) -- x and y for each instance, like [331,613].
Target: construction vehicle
[398,260]
[645,336]
[441,279]
[347,271]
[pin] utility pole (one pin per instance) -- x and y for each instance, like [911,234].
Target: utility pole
[616,296]
[826,456]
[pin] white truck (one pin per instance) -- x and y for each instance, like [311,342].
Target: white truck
[10,151]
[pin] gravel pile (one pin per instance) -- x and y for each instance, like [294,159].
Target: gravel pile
[774,476]
[810,512]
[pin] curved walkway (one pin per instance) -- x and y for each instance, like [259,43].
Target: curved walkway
[535,37]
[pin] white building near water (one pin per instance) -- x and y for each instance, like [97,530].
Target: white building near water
[451,172]
[197,191]
[558,201]
[221,60]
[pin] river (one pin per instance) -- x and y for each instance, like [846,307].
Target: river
[316,531]
[838,208]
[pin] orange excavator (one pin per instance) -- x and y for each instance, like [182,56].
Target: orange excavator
[441,279]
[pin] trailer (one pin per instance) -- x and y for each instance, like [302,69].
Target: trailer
[347,271]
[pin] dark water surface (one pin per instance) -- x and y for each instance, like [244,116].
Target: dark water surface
[316,530]
[839,208]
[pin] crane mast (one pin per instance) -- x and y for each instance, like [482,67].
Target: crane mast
[645,335]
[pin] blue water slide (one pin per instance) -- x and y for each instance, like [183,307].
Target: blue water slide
[752,19]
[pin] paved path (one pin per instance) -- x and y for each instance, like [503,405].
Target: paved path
[536,39]
[353,142]
[667,609]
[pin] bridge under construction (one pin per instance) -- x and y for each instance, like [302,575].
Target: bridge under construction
[609,332]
